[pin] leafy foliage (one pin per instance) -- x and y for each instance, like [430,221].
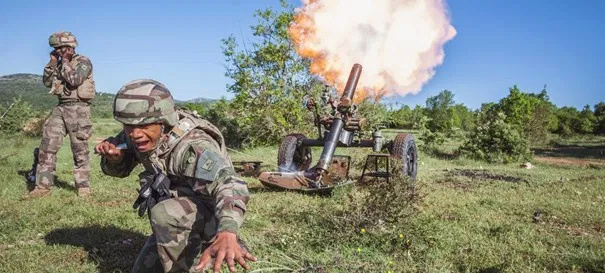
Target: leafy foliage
[269,81]
[15,115]
[495,140]
[529,113]
[463,118]
[587,121]
[440,110]
[376,114]
[431,140]
[599,112]
[406,117]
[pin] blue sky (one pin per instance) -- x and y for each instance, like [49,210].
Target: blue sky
[499,43]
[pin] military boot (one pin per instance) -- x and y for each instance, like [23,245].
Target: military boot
[39,192]
[84,191]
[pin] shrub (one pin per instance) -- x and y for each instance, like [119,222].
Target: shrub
[431,140]
[494,140]
[14,116]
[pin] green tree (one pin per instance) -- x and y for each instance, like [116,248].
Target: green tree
[566,119]
[269,80]
[417,114]
[599,112]
[529,113]
[462,117]
[440,111]
[586,121]
[495,140]
[402,118]
[376,114]
[14,115]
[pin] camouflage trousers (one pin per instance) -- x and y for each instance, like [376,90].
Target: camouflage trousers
[65,119]
[183,228]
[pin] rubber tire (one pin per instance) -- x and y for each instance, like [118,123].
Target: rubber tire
[291,157]
[404,148]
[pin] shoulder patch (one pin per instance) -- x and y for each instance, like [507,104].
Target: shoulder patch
[208,165]
[83,69]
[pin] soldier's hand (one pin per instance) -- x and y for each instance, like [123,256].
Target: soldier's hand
[108,150]
[225,248]
[54,56]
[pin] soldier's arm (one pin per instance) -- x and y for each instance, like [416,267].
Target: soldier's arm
[213,174]
[121,168]
[75,75]
[50,73]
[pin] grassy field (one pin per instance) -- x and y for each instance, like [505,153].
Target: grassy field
[467,216]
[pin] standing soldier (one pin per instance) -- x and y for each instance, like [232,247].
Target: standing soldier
[69,77]
[194,201]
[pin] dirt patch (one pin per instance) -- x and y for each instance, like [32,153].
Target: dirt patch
[465,179]
[455,183]
[112,204]
[479,174]
[587,178]
[567,161]
[554,222]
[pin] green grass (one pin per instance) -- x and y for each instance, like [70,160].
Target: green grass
[468,217]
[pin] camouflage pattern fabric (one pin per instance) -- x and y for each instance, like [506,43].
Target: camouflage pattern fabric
[182,227]
[207,198]
[70,81]
[144,102]
[63,38]
[72,119]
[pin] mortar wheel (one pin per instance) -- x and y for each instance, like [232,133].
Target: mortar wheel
[291,156]
[404,149]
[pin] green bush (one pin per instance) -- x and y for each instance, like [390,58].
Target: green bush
[430,140]
[494,140]
[529,113]
[14,116]
[376,114]
[269,81]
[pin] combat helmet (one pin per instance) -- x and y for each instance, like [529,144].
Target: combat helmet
[63,38]
[144,102]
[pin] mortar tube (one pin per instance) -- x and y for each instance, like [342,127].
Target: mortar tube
[337,126]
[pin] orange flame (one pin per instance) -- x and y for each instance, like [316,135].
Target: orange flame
[334,34]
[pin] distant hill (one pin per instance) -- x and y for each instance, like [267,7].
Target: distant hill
[29,88]
[196,100]
[201,100]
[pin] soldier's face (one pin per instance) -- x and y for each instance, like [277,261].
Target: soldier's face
[65,51]
[144,137]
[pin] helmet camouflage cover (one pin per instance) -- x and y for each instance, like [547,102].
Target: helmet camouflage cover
[64,38]
[144,102]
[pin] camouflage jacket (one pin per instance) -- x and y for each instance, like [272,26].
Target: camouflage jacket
[198,166]
[71,81]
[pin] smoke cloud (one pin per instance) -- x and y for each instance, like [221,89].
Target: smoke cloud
[398,42]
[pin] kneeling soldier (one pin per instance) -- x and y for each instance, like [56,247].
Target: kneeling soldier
[195,202]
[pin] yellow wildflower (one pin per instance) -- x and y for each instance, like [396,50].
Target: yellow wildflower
[363,230]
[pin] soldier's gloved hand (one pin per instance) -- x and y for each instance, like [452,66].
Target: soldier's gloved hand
[225,248]
[54,57]
[108,149]
[146,206]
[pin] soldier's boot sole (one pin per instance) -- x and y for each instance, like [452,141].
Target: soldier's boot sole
[84,192]
[39,192]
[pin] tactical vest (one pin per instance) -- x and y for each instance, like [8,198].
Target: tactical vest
[84,92]
[187,123]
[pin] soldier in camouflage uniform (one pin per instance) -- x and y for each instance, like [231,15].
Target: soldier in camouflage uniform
[69,77]
[201,219]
